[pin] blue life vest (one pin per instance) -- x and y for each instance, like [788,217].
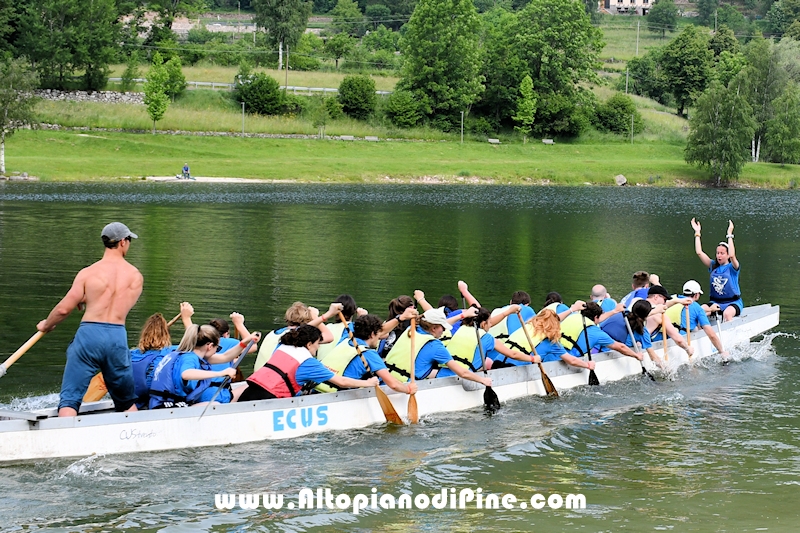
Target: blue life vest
[615,327]
[167,388]
[143,365]
[724,283]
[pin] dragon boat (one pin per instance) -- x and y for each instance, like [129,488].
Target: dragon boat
[40,434]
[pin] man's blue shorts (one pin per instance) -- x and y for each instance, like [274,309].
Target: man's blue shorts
[104,347]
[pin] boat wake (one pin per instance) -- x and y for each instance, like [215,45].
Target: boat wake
[82,468]
[32,403]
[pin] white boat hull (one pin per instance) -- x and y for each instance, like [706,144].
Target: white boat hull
[39,434]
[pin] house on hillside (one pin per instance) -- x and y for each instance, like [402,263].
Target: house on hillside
[625,7]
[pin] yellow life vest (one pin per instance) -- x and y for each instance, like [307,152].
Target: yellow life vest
[337,330]
[462,346]
[519,341]
[398,360]
[268,345]
[500,330]
[675,314]
[553,307]
[336,361]
[572,329]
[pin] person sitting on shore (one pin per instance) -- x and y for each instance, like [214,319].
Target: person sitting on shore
[185,172]
[464,349]
[401,311]
[293,368]
[580,334]
[362,361]
[154,343]
[640,285]
[724,273]
[545,332]
[297,315]
[429,353]
[184,377]
[697,315]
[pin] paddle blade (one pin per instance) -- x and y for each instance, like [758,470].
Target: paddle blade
[549,388]
[593,378]
[413,415]
[388,409]
[490,399]
[97,389]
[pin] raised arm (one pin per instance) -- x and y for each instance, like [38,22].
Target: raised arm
[238,324]
[419,296]
[464,290]
[186,314]
[698,245]
[731,249]
[319,321]
[508,311]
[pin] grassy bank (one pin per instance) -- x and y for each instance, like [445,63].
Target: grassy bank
[99,155]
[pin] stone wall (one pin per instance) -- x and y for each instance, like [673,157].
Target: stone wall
[109,97]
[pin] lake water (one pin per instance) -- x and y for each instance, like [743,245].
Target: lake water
[715,449]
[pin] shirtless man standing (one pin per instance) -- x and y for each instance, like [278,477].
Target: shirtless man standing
[109,289]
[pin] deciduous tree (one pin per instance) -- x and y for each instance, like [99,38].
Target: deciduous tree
[721,126]
[687,63]
[346,17]
[339,46]
[442,56]
[17,82]
[284,20]
[526,108]
[783,129]
[155,95]
[663,17]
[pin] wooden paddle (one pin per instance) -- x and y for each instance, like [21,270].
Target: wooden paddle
[413,414]
[97,387]
[549,388]
[386,405]
[20,352]
[688,328]
[592,376]
[636,345]
[227,380]
[490,399]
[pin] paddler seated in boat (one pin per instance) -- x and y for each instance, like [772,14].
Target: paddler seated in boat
[580,333]
[724,271]
[184,377]
[297,315]
[640,286]
[660,299]
[637,319]
[154,343]
[545,332]
[509,321]
[293,368]
[430,354]
[401,311]
[362,362]
[464,349]
[350,310]
[697,315]
[451,308]
[555,303]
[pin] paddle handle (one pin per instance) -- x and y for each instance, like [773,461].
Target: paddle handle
[664,334]
[688,328]
[169,324]
[412,333]
[527,335]
[20,352]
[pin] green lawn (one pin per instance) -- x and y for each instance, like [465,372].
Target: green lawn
[98,155]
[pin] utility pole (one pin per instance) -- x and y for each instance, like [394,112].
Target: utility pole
[632,127]
[280,54]
[637,38]
[627,71]
[242,118]
[286,84]
[462,127]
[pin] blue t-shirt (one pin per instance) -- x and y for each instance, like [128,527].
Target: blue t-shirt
[433,355]
[615,327]
[547,350]
[487,341]
[724,283]
[607,304]
[191,361]
[457,325]
[697,317]
[312,370]
[597,338]
[638,293]
[225,344]
[512,321]
[356,368]
[642,339]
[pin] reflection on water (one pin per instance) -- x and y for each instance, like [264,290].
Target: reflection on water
[714,448]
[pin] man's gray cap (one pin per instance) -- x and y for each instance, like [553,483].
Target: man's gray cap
[116,231]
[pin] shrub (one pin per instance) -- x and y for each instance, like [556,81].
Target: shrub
[294,105]
[334,108]
[481,126]
[260,93]
[357,96]
[402,109]
[615,115]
